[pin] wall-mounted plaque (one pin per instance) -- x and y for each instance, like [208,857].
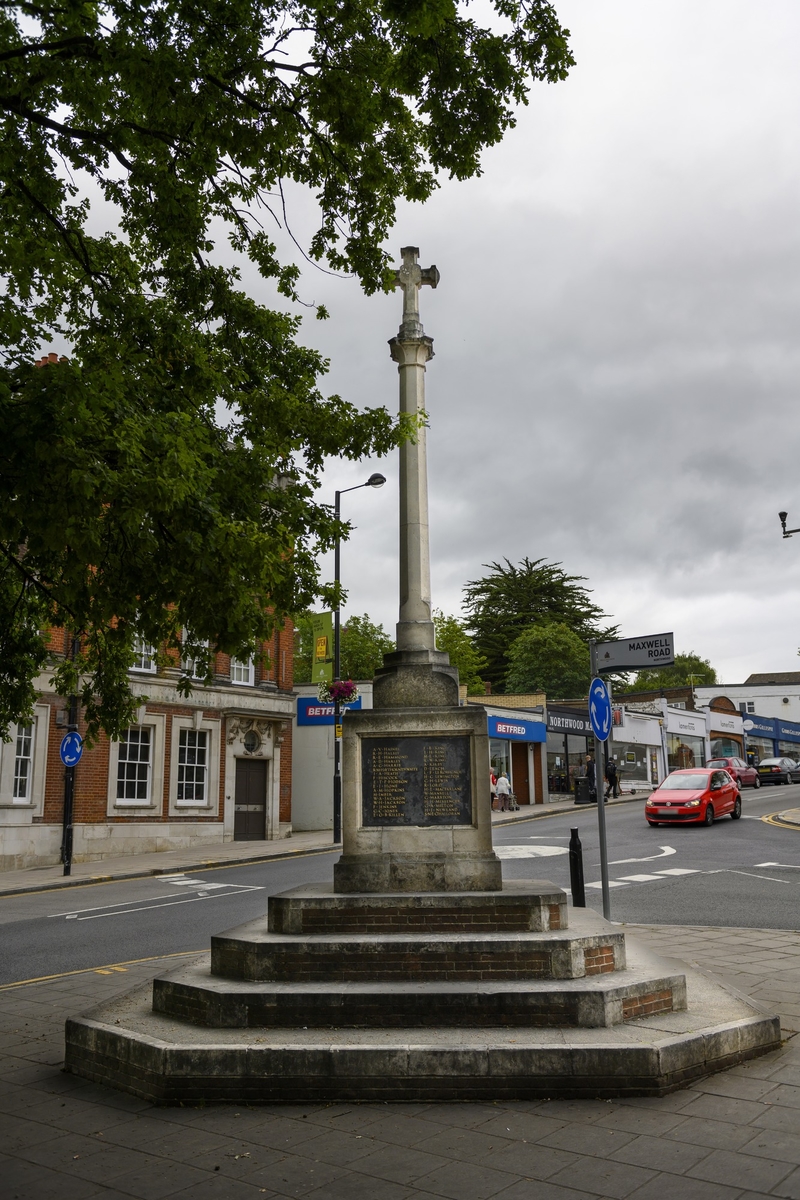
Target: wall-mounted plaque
[415,781]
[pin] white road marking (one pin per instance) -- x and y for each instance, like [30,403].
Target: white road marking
[665,853]
[640,878]
[170,904]
[236,888]
[529,851]
[611,883]
[783,866]
[679,871]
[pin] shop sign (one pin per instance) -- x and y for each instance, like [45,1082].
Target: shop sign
[569,720]
[765,725]
[788,731]
[311,712]
[725,724]
[695,727]
[514,729]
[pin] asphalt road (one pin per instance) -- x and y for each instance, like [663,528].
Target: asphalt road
[737,873]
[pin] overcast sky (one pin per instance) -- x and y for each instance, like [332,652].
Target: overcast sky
[617,338]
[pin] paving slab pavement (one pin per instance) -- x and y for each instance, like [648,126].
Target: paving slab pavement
[734,1136]
[222,854]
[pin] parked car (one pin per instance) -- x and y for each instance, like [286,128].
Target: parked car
[699,794]
[778,770]
[742,772]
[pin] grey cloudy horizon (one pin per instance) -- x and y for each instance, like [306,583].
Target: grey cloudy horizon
[616,361]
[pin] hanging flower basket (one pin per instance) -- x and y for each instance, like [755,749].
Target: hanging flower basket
[343,690]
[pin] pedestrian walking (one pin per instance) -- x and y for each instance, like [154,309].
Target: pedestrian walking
[612,779]
[591,777]
[503,790]
[493,787]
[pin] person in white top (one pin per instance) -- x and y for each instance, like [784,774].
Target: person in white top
[503,790]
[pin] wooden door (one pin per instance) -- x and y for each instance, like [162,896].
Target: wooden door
[250,800]
[519,772]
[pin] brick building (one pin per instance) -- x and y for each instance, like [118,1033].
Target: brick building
[214,767]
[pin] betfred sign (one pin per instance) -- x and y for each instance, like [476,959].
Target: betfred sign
[311,712]
[632,654]
[514,729]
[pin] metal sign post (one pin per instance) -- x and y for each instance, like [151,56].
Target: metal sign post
[600,718]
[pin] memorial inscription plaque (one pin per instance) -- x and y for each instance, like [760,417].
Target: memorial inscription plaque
[416,781]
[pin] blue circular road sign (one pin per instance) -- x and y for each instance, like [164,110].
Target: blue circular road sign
[71,749]
[600,710]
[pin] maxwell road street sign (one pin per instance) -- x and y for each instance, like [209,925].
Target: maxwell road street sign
[631,654]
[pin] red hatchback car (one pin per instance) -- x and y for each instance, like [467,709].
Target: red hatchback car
[698,794]
[742,772]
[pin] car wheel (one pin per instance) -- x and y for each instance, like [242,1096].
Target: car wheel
[737,809]
[788,779]
[709,815]
[653,823]
[757,782]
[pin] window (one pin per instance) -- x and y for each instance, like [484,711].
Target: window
[192,761]
[133,766]
[23,762]
[144,655]
[242,672]
[751,706]
[193,666]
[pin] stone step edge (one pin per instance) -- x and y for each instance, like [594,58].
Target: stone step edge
[161,1072]
[218,1004]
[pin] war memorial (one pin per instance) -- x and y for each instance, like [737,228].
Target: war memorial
[418,975]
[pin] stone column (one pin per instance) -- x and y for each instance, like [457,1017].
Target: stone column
[416,673]
[415,624]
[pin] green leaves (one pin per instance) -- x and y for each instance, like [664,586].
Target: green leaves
[511,598]
[166,475]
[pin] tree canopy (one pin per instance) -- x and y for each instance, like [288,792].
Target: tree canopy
[549,658]
[452,637]
[164,475]
[363,645]
[689,670]
[511,598]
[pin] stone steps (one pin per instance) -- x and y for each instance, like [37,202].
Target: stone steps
[126,1045]
[523,906]
[251,952]
[193,994]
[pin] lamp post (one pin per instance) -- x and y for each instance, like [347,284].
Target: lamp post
[375,481]
[786,532]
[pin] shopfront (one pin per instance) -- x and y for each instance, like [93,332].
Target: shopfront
[637,748]
[725,732]
[569,740]
[788,738]
[686,740]
[759,734]
[515,746]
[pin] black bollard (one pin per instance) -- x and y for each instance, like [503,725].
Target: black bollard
[576,871]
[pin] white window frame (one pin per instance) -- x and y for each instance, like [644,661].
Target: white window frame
[25,740]
[156,722]
[188,665]
[211,727]
[33,801]
[136,735]
[144,656]
[249,667]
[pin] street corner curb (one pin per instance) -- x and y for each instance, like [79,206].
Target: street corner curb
[54,885]
[788,819]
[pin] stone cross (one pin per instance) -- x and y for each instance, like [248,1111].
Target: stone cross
[410,277]
[411,350]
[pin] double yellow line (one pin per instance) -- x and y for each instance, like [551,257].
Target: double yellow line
[110,969]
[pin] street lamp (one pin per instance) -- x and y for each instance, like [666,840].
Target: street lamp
[786,532]
[375,480]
